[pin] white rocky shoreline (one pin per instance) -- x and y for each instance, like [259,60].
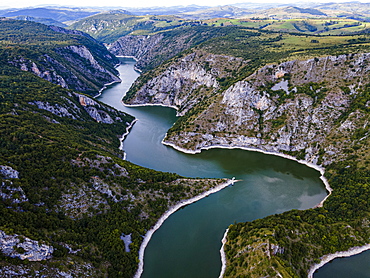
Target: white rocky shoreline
[128,128]
[327,258]
[311,165]
[170,211]
[223,254]
[150,104]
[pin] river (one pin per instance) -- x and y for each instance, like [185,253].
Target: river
[188,243]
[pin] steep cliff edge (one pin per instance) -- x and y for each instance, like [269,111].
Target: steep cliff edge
[140,47]
[182,85]
[67,58]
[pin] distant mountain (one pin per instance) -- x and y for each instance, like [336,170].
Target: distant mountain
[46,21]
[303,11]
[166,10]
[58,14]
[119,11]
[218,12]
[259,6]
[354,6]
[288,12]
[109,26]
[353,10]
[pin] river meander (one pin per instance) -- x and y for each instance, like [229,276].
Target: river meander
[188,243]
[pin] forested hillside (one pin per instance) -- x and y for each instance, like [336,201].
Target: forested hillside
[68,58]
[70,205]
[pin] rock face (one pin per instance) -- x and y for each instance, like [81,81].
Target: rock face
[140,47]
[100,113]
[8,172]
[23,248]
[81,72]
[7,189]
[187,82]
[291,107]
[127,240]
[70,109]
[137,46]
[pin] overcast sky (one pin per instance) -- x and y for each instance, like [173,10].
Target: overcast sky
[141,3]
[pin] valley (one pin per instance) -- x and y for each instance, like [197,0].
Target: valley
[285,80]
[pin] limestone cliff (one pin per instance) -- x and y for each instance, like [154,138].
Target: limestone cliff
[74,67]
[183,84]
[140,47]
[289,107]
[9,191]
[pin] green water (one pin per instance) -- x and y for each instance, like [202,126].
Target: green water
[188,243]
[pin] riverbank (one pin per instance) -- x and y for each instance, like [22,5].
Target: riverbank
[170,211]
[223,254]
[123,137]
[105,87]
[151,105]
[130,57]
[327,258]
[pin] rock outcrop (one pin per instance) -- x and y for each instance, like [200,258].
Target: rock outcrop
[184,84]
[8,172]
[23,248]
[78,106]
[140,47]
[80,72]
[7,188]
